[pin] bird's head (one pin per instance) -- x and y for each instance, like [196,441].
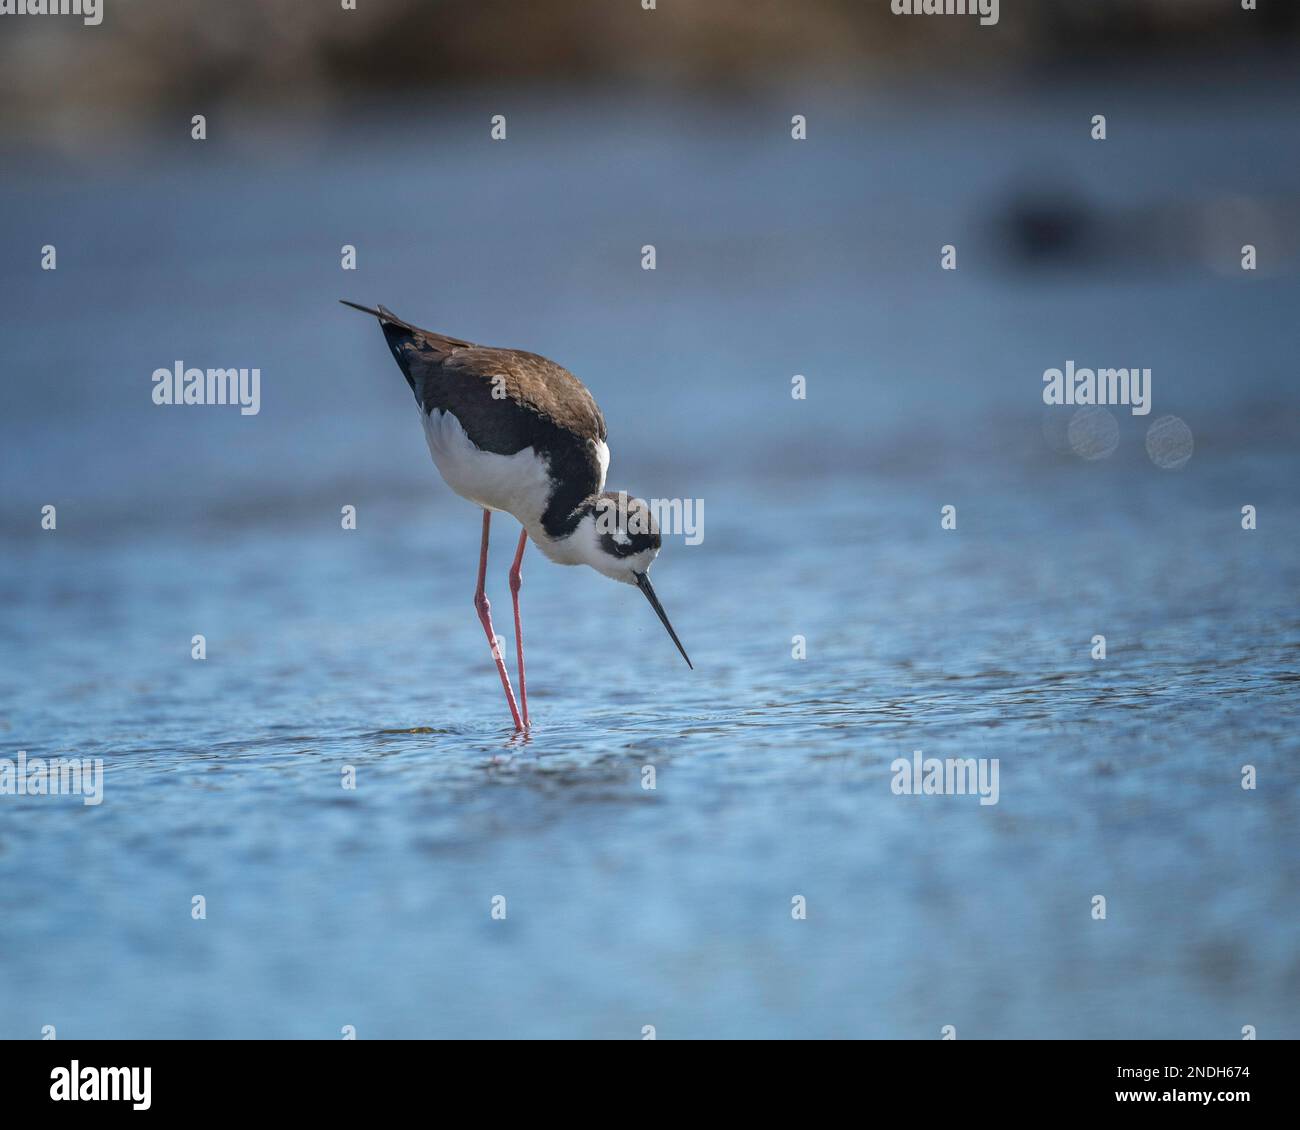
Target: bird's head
[618,537]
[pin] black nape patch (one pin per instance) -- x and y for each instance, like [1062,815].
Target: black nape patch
[625,525]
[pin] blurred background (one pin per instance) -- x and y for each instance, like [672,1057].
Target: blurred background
[330,648]
[318,60]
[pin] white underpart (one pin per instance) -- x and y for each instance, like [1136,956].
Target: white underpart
[520,485]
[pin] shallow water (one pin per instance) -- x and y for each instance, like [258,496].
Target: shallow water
[629,907]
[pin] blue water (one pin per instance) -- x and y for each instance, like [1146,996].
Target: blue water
[629,907]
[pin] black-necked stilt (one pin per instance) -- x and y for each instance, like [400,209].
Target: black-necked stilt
[513,431]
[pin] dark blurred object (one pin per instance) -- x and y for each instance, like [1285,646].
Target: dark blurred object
[1047,228]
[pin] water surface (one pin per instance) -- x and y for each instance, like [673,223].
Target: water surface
[330,649]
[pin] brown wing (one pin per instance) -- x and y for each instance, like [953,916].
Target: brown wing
[507,400]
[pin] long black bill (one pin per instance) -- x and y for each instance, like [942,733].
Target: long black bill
[643,583]
[363,309]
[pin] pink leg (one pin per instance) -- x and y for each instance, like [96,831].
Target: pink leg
[485,618]
[516,580]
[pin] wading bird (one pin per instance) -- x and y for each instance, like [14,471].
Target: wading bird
[515,432]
